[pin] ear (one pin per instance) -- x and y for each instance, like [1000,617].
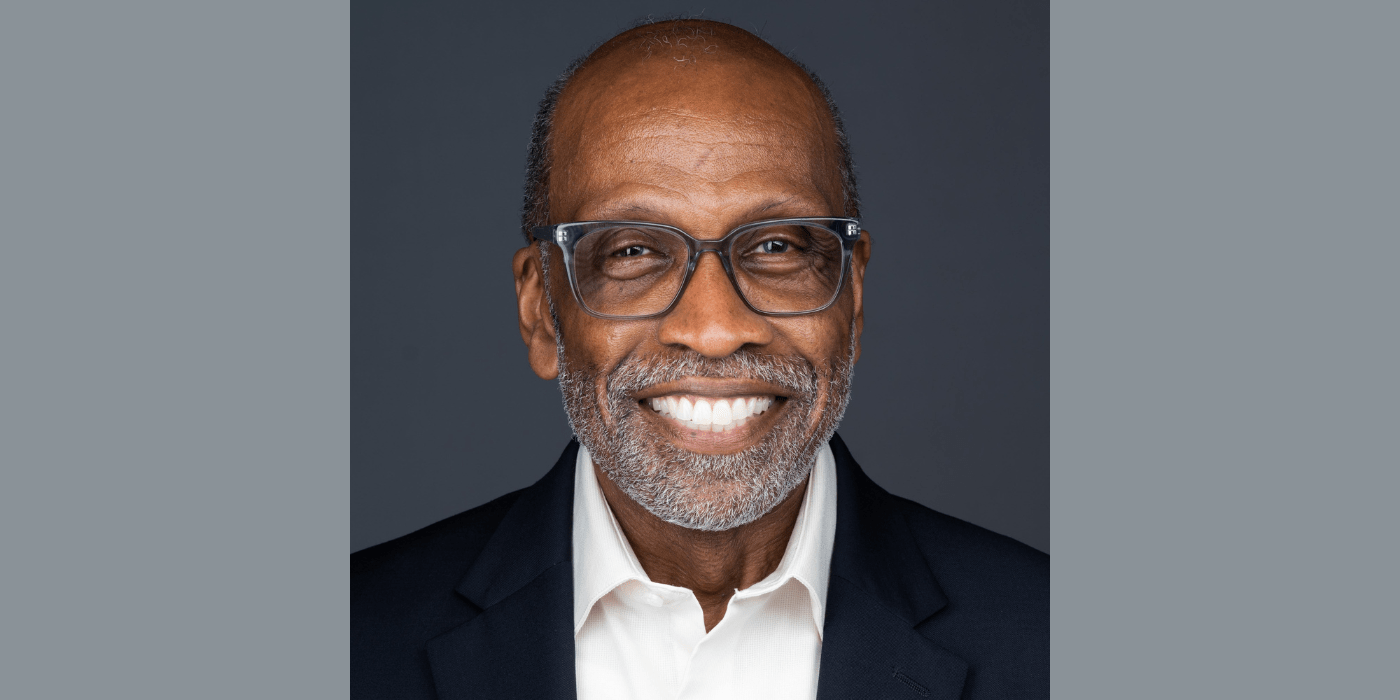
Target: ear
[860,257]
[536,325]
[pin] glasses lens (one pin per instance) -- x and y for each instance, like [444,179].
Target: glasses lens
[788,268]
[629,270]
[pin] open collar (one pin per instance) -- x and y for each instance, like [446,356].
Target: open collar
[604,560]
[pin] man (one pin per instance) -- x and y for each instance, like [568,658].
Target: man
[693,278]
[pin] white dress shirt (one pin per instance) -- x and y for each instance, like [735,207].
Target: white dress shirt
[635,639]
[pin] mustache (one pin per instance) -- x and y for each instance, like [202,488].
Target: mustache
[795,375]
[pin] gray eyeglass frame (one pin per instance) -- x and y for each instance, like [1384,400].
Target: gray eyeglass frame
[567,236]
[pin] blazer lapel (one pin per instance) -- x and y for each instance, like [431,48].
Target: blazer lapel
[880,590]
[521,644]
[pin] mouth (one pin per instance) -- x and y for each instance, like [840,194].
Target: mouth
[713,416]
[709,413]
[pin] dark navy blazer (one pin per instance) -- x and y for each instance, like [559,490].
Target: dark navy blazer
[920,605]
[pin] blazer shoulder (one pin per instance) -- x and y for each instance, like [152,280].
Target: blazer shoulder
[436,556]
[963,555]
[998,603]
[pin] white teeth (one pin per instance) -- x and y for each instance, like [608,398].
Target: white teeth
[702,412]
[722,415]
[710,415]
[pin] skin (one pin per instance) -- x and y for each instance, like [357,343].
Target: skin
[732,134]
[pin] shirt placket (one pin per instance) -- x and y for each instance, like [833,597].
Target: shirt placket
[710,673]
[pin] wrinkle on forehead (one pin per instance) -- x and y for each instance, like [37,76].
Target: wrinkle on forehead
[744,93]
[711,154]
[714,174]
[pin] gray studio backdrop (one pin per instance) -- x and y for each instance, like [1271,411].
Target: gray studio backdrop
[947,106]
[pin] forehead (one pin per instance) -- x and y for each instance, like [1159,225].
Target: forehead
[722,135]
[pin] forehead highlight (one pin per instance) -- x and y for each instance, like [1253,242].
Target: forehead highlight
[740,110]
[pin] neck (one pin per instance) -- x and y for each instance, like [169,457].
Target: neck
[711,564]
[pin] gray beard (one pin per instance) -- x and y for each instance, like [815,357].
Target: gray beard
[710,492]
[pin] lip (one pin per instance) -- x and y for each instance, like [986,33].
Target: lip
[718,388]
[732,440]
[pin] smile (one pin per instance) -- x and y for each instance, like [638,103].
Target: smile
[709,414]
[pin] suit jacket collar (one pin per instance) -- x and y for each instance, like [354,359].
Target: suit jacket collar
[533,537]
[881,590]
[874,549]
[521,644]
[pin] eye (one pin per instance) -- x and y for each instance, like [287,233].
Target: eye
[632,251]
[773,247]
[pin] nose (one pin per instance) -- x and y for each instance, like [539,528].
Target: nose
[710,318]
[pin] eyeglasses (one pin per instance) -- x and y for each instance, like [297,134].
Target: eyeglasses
[635,270]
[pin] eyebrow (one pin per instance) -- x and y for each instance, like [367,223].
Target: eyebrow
[632,209]
[772,205]
[643,212]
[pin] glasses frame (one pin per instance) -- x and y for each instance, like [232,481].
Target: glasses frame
[567,236]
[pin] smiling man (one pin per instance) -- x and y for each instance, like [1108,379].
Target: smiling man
[693,278]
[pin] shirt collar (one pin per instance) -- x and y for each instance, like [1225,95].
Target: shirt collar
[604,560]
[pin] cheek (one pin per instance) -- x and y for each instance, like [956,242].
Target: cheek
[598,346]
[588,341]
[822,340]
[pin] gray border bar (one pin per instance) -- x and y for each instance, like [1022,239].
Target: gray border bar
[174,357]
[1224,340]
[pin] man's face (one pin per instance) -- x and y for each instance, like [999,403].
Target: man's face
[704,147]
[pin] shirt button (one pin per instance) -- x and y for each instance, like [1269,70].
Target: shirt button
[655,600]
